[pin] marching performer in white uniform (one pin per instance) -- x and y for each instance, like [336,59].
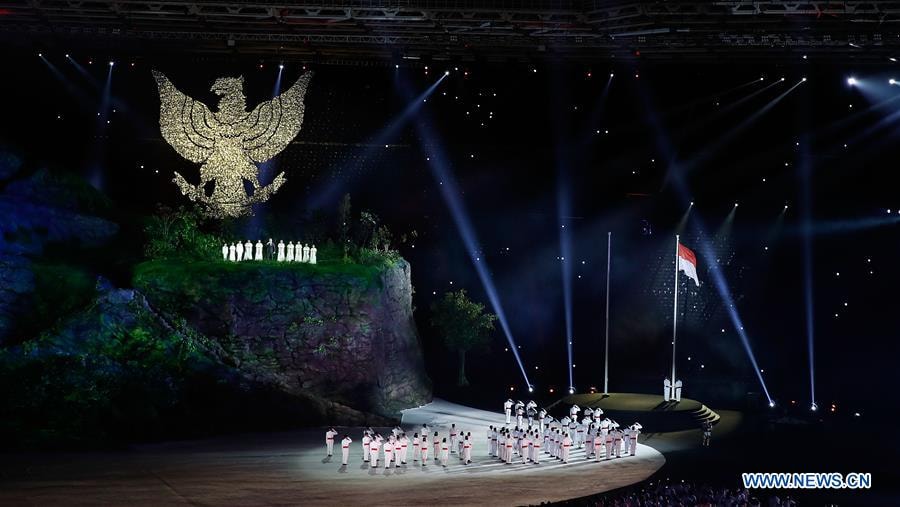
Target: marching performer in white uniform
[345,449]
[507,408]
[467,450]
[329,441]
[366,440]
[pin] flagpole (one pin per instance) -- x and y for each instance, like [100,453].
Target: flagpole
[606,353]
[675,314]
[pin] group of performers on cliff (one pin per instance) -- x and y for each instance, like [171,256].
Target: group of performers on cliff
[238,252]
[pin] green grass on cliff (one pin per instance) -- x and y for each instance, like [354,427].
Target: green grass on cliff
[183,269]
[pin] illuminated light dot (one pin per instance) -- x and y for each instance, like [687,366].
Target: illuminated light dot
[434,293]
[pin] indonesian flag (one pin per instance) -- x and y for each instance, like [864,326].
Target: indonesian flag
[687,262]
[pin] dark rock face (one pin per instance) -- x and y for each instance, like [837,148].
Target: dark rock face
[16,283]
[346,337]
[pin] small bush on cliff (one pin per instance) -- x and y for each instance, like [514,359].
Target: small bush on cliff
[181,232]
[463,324]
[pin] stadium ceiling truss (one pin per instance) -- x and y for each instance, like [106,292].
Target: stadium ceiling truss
[491,30]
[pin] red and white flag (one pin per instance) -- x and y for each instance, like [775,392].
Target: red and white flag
[687,262]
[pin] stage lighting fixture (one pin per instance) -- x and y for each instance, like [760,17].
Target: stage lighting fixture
[892,81]
[571,390]
[67,55]
[111,63]
[611,74]
[692,203]
[280,66]
[41,55]
[851,81]
[396,65]
[804,57]
[530,389]
[446,72]
[803,80]
[735,205]
[762,79]
[782,79]
[813,407]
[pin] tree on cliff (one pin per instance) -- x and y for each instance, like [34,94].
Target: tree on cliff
[463,324]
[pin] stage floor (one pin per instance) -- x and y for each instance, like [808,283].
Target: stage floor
[288,469]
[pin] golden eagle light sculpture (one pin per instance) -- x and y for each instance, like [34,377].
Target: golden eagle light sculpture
[230,141]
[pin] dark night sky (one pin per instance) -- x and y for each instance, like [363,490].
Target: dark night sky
[513,136]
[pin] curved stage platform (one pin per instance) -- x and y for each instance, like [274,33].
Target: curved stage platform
[288,469]
[654,413]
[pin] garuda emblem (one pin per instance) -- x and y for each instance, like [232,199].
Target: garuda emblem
[230,141]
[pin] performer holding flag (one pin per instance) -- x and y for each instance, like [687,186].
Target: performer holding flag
[686,261]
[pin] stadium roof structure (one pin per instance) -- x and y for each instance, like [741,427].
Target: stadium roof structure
[463,30]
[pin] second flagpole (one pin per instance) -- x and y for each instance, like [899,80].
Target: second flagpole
[606,353]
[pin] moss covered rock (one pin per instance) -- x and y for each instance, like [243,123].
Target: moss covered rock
[340,331]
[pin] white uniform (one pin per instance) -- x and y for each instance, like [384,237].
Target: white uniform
[453,438]
[257,252]
[566,447]
[507,407]
[329,441]
[280,257]
[345,450]
[232,252]
[667,389]
[508,449]
[423,448]
[388,453]
[248,251]
[312,255]
[573,412]
[415,448]
[306,254]
[366,440]
[437,447]
[404,449]
[608,444]
[289,252]
[617,442]
[526,449]
[467,451]
[239,251]
[374,447]
[445,453]
[224,252]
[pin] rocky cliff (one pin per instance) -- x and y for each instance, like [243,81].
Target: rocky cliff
[341,332]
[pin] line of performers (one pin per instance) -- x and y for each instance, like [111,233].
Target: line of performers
[238,252]
[396,449]
[600,437]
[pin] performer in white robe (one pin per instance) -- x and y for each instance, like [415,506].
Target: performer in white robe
[239,251]
[248,251]
[289,256]
[677,390]
[280,257]
[231,253]
[305,253]
[225,252]
[467,451]
[667,389]
[312,255]
[345,449]
[258,252]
